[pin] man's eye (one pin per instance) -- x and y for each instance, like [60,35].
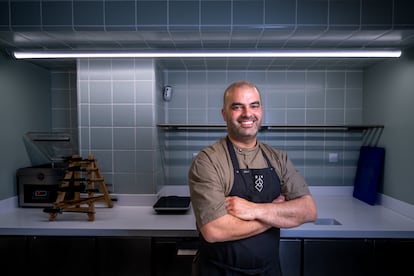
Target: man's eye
[236,107]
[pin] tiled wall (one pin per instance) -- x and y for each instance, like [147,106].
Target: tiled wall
[117,109]
[64,102]
[290,98]
[120,104]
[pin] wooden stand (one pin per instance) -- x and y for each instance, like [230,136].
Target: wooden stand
[69,197]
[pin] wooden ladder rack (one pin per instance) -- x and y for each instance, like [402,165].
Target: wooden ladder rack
[69,199]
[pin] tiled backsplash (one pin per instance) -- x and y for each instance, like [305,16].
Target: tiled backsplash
[64,102]
[290,98]
[120,104]
[117,111]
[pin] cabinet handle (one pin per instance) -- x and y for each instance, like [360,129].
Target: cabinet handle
[186,252]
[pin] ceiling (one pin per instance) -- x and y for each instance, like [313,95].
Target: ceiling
[222,25]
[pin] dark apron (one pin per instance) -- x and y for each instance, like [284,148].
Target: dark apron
[256,255]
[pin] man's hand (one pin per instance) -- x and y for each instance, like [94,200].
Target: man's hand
[241,208]
[279,199]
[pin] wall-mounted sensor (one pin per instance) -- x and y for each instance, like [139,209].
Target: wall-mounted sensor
[167,93]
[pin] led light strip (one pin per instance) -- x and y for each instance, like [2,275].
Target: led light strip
[210,54]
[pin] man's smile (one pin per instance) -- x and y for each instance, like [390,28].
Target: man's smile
[246,123]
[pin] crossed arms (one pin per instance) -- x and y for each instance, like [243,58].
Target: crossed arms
[245,218]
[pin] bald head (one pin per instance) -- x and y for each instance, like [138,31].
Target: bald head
[236,85]
[242,112]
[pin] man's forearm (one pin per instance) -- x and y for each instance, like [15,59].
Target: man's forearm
[289,213]
[228,228]
[284,214]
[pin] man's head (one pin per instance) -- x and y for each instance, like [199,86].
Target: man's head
[242,111]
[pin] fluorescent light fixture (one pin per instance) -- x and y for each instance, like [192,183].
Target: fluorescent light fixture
[365,53]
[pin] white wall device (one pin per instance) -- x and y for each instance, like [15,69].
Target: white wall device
[167,93]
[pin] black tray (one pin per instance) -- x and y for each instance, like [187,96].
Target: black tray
[172,204]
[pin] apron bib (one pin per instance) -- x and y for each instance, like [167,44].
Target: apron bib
[256,255]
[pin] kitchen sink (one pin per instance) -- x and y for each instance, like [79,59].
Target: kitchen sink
[326,221]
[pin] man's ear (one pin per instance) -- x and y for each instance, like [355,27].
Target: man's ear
[223,114]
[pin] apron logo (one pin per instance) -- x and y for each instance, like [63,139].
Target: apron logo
[258,182]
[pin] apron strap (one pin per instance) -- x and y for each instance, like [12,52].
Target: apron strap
[232,154]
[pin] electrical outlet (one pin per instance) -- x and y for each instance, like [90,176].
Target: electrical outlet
[333,157]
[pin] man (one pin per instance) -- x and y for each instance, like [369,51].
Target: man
[243,191]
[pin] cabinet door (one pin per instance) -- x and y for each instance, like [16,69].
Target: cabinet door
[13,255]
[124,256]
[167,259]
[173,256]
[338,257]
[393,256]
[61,256]
[290,257]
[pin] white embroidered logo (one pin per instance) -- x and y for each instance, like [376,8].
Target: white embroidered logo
[258,182]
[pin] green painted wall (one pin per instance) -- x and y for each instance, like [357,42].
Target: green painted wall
[389,100]
[24,106]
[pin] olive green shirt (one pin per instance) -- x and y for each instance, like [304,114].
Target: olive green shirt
[211,176]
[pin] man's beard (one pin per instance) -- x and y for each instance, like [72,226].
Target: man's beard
[243,133]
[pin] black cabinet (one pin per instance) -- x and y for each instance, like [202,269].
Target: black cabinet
[338,257]
[123,256]
[61,256]
[393,256]
[290,256]
[13,255]
[100,256]
[173,256]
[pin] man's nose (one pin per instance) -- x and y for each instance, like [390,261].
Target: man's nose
[247,112]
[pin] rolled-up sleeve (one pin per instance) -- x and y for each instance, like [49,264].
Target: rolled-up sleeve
[207,190]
